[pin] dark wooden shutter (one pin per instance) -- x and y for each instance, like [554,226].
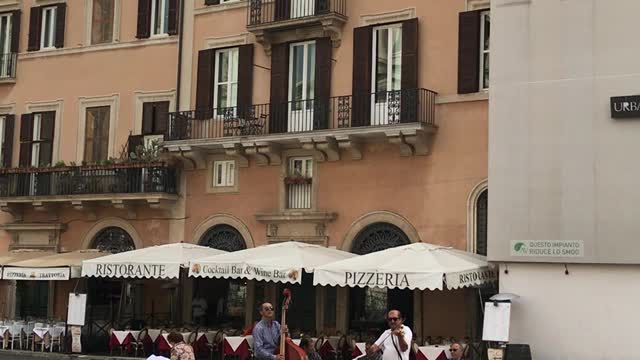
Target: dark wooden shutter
[144,19]
[47,126]
[322,6]
[211,2]
[409,72]
[283,10]
[35,25]
[132,144]
[15,32]
[161,117]
[204,87]
[172,26]
[61,12]
[148,110]
[322,90]
[7,142]
[279,88]
[245,79]
[26,136]
[361,83]
[468,52]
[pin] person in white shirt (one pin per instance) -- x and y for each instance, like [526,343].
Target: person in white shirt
[394,343]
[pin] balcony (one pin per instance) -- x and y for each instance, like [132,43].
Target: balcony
[405,117]
[276,21]
[8,67]
[121,185]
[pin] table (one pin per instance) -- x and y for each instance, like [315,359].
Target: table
[433,352]
[238,345]
[359,349]
[122,338]
[52,331]
[329,346]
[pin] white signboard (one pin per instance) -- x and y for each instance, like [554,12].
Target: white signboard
[470,278]
[547,248]
[126,270]
[19,273]
[497,317]
[77,309]
[246,271]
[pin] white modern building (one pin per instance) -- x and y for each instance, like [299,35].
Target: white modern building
[564,215]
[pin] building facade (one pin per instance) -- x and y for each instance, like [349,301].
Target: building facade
[347,123]
[562,211]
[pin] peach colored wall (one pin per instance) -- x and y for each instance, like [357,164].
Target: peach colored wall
[67,77]
[438,43]
[429,191]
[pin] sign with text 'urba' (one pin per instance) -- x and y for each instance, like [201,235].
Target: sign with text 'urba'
[625,107]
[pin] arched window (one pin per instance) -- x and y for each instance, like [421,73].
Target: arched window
[223,237]
[378,236]
[114,240]
[481,223]
[368,303]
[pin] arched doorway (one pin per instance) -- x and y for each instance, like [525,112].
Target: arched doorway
[220,302]
[369,305]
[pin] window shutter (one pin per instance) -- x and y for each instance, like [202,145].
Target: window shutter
[204,87]
[173,17]
[211,2]
[47,127]
[133,142]
[60,22]
[468,52]
[409,75]
[322,7]
[34,29]
[322,89]
[144,19]
[361,83]
[7,142]
[279,88]
[147,118]
[15,32]
[161,118]
[283,10]
[26,135]
[245,79]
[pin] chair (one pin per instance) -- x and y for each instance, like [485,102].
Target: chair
[57,333]
[216,343]
[139,342]
[16,333]
[111,330]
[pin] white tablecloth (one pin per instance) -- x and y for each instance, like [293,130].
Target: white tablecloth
[153,334]
[235,341]
[432,352]
[362,347]
[4,329]
[122,334]
[41,331]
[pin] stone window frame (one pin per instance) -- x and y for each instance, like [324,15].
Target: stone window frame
[58,107]
[284,172]
[117,15]
[142,97]
[85,102]
[210,188]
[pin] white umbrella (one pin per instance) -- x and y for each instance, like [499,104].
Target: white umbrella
[415,266]
[280,262]
[62,266]
[159,262]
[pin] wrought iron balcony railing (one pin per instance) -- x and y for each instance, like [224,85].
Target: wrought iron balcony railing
[265,12]
[8,66]
[88,180]
[338,112]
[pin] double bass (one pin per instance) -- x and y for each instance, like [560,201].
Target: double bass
[290,350]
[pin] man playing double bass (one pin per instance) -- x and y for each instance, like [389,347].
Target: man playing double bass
[394,343]
[266,335]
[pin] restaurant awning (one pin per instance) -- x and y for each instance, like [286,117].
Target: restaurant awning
[62,266]
[22,254]
[157,262]
[280,262]
[415,266]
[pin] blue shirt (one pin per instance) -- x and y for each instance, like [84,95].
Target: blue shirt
[265,339]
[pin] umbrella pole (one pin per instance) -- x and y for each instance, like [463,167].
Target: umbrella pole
[424,331]
[481,302]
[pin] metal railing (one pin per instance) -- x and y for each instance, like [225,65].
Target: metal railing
[78,180]
[8,66]
[375,109]
[263,12]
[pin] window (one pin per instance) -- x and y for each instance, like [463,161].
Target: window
[224,173]
[48,29]
[3,120]
[5,46]
[155,116]
[481,223]
[226,79]
[159,17]
[299,183]
[102,21]
[386,72]
[96,144]
[35,140]
[485,22]
[302,76]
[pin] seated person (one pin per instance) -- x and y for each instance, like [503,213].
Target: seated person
[307,345]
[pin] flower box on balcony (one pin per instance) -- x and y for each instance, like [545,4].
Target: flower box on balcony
[297,180]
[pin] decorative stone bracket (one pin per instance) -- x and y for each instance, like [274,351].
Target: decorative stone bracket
[412,142]
[299,226]
[34,235]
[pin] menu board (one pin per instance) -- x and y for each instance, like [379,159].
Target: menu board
[497,317]
[77,309]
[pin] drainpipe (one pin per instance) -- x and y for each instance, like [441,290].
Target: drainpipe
[180,36]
